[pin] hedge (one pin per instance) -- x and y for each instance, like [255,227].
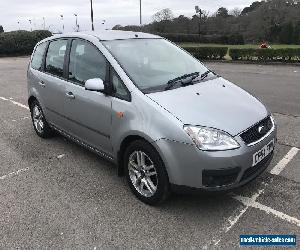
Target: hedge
[280,55]
[207,53]
[195,38]
[17,43]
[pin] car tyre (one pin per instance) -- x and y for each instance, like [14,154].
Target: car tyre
[146,173]
[39,122]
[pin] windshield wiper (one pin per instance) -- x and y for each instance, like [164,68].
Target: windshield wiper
[188,79]
[184,80]
[205,74]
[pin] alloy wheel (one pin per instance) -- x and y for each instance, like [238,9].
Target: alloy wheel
[38,119]
[142,173]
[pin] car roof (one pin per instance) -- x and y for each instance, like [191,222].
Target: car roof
[108,35]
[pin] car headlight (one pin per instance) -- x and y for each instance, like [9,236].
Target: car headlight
[211,139]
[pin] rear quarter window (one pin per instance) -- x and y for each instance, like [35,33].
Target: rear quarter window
[55,57]
[37,58]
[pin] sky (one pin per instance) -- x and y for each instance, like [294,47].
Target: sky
[15,14]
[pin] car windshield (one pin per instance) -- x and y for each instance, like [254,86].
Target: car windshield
[151,63]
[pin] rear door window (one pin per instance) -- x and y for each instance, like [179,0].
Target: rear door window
[55,57]
[37,59]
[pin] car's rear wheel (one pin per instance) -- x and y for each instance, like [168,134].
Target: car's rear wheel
[39,122]
[145,172]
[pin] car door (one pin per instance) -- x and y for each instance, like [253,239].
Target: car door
[88,113]
[51,84]
[122,109]
[36,71]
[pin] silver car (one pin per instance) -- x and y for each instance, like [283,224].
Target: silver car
[167,122]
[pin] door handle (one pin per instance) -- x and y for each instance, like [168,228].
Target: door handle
[70,95]
[41,83]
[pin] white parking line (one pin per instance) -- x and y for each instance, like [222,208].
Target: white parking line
[249,202]
[232,220]
[13,173]
[21,119]
[284,161]
[60,156]
[14,102]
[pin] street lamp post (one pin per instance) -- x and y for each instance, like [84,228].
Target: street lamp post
[30,24]
[19,25]
[199,11]
[92,15]
[141,12]
[63,25]
[76,22]
[44,23]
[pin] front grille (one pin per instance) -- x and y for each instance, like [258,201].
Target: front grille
[218,178]
[257,169]
[258,131]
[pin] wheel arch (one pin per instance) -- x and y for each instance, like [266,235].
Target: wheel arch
[125,143]
[31,99]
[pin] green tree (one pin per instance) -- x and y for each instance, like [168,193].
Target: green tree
[252,7]
[1,29]
[272,20]
[162,20]
[163,15]
[296,36]
[287,33]
[222,12]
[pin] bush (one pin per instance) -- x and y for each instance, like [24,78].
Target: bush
[17,43]
[207,53]
[195,38]
[280,55]
[241,54]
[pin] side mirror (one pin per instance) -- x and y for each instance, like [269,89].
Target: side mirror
[95,84]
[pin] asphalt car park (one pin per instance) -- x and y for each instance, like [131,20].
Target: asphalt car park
[55,194]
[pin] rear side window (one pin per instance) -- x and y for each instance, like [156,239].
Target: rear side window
[37,59]
[86,62]
[55,57]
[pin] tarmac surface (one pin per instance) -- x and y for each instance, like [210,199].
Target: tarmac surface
[56,195]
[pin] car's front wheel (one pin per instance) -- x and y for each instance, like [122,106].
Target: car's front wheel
[39,122]
[146,173]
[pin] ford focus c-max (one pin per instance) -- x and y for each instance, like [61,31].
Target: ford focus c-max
[168,122]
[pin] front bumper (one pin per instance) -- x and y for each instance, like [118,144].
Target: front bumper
[187,166]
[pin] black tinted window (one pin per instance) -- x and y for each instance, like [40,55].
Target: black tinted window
[37,59]
[86,62]
[55,57]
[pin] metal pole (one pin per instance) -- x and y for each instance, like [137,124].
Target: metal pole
[44,23]
[77,25]
[62,18]
[200,13]
[92,15]
[76,22]
[30,25]
[141,12]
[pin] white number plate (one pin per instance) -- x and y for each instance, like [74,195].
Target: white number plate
[263,153]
